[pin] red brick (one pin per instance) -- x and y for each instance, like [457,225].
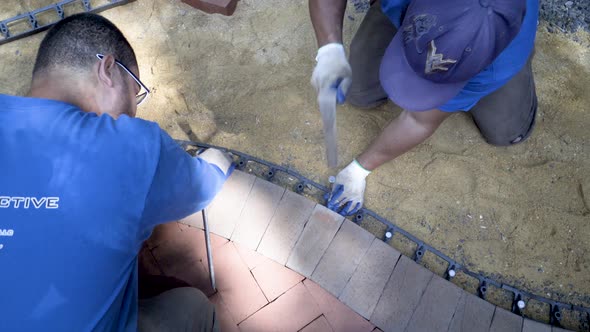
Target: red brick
[183,226]
[274,279]
[250,257]
[319,325]
[180,259]
[147,264]
[224,212]
[224,7]
[401,295]
[437,306]
[286,226]
[340,316]
[236,285]
[290,312]
[194,220]
[163,233]
[188,244]
[197,236]
[257,213]
[506,321]
[314,240]
[226,322]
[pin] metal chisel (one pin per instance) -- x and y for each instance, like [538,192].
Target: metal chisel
[327,102]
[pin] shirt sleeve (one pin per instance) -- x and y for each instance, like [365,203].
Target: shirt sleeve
[504,67]
[181,185]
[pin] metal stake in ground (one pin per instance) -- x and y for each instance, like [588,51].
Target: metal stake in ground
[208,245]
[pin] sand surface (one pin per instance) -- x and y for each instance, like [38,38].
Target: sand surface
[520,214]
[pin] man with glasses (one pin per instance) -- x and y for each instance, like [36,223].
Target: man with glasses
[82,185]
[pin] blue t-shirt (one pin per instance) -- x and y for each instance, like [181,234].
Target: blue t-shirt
[79,193]
[499,72]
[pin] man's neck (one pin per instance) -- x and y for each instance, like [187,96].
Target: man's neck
[61,87]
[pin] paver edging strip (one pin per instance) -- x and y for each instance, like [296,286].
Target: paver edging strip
[310,188]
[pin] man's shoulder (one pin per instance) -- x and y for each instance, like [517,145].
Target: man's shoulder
[134,126]
[126,135]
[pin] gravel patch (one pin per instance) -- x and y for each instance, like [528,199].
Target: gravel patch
[565,15]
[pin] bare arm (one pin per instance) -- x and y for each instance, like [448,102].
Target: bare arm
[401,135]
[327,17]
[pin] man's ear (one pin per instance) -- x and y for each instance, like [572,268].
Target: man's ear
[106,68]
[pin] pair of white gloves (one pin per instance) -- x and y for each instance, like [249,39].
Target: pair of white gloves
[333,71]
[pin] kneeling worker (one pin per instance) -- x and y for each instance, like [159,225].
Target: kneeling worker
[432,58]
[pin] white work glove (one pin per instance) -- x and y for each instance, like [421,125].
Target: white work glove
[348,191]
[332,70]
[218,158]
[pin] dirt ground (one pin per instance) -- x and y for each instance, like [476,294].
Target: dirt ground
[521,214]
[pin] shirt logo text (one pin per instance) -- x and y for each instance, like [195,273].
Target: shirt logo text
[17,202]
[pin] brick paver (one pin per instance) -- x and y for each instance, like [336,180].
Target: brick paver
[194,220]
[342,257]
[401,295]
[226,322]
[368,281]
[274,279]
[319,325]
[505,321]
[184,266]
[236,285]
[340,317]
[223,213]
[256,293]
[285,227]
[224,7]
[162,233]
[249,256]
[436,307]
[147,264]
[196,237]
[534,326]
[315,239]
[472,314]
[257,213]
[299,305]
[558,329]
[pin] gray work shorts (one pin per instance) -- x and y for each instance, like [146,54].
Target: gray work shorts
[178,309]
[505,117]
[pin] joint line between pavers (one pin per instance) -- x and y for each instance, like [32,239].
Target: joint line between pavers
[241,210]
[271,217]
[260,287]
[456,307]
[493,316]
[156,260]
[328,247]
[356,268]
[306,222]
[388,280]
[419,301]
[313,320]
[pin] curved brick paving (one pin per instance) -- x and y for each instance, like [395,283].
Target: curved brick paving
[285,263]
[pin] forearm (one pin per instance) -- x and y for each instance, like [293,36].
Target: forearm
[401,135]
[327,17]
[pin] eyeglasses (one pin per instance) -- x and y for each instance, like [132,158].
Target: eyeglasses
[142,96]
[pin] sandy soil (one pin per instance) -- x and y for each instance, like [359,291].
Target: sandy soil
[521,214]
